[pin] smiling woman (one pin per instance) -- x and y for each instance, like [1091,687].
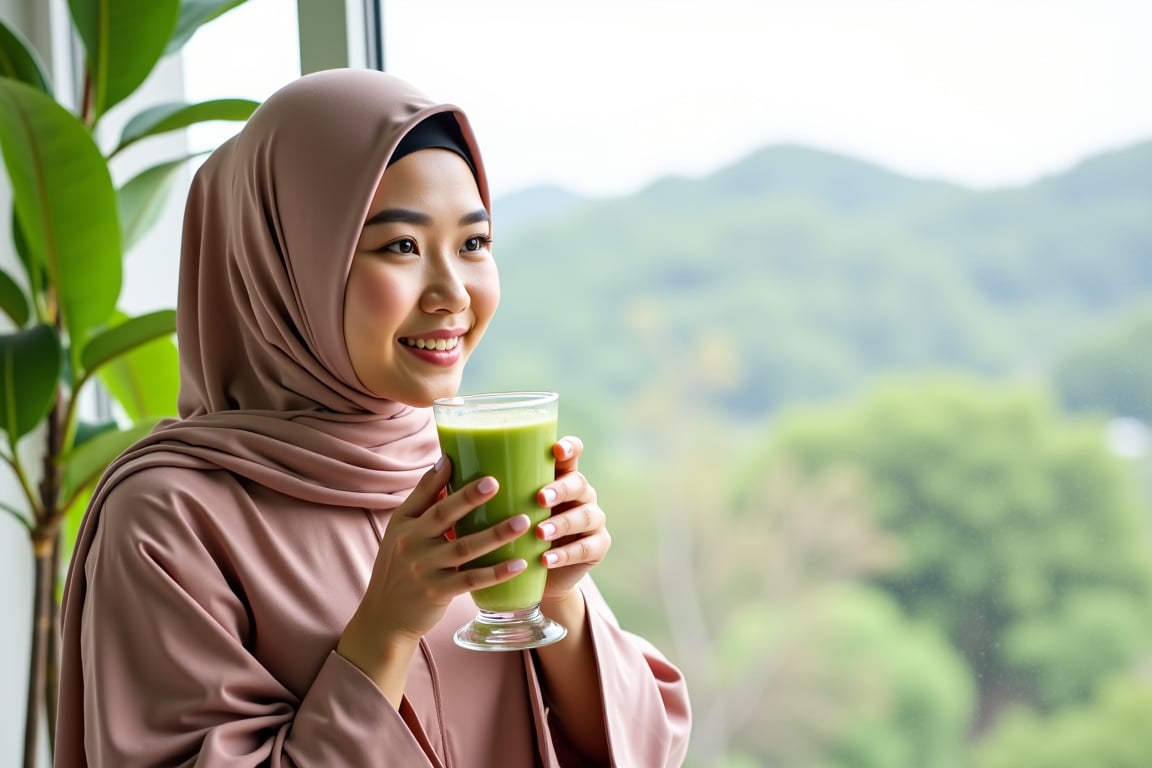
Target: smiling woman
[286,539]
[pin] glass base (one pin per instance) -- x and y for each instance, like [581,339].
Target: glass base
[509,630]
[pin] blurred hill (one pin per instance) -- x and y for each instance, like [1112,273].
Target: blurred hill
[796,274]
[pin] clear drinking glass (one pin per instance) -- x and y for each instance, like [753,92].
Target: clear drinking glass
[508,435]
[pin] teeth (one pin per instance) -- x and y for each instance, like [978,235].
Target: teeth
[439,345]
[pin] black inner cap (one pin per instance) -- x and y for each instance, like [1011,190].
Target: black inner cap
[439,131]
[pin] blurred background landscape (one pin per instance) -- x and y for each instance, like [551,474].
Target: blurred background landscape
[875,449]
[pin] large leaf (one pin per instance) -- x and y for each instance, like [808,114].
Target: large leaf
[19,61]
[124,39]
[35,272]
[65,204]
[128,335]
[12,300]
[146,381]
[69,530]
[195,14]
[29,374]
[176,115]
[141,200]
[84,464]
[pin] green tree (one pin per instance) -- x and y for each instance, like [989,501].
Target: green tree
[1110,731]
[1022,535]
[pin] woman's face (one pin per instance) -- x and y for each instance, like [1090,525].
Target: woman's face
[423,286]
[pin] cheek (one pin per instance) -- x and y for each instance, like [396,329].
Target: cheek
[368,301]
[485,295]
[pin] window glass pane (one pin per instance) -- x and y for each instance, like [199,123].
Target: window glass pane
[851,303]
[249,52]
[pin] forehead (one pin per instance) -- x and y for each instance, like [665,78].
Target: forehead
[427,178]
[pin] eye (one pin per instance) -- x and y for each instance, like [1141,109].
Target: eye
[405,246]
[478,243]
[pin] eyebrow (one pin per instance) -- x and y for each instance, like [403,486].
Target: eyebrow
[408,216]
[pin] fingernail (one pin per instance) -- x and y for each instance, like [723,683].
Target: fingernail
[517,565]
[487,485]
[566,446]
[550,558]
[519,523]
[549,496]
[547,530]
[440,463]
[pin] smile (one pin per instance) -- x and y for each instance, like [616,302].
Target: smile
[440,345]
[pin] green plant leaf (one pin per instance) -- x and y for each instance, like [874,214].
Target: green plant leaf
[69,530]
[29,374]
[141,200]
[19,60]
[124,39]
[84,464]
[195,14]
[65,204]
[12,300]
[128,335]
[20,242]
[86,430]
[146,381]
[176,115]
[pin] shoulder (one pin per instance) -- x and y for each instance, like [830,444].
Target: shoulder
[164,503]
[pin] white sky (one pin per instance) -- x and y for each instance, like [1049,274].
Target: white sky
[604,96]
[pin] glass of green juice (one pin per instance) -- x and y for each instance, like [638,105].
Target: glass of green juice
[508,435]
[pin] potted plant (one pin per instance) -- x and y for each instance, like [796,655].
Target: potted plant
[71,229]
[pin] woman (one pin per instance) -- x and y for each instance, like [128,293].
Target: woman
[267,580]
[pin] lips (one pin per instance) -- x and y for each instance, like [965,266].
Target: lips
[442,351]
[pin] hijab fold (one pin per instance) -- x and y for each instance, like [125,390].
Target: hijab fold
[267,389]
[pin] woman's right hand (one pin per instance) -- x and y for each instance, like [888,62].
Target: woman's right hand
[417,574]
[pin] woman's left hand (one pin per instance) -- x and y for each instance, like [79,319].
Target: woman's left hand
[577,527]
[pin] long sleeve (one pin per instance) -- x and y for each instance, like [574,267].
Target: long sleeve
[169,674]
[646,708]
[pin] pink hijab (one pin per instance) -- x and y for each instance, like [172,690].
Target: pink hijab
[267,388]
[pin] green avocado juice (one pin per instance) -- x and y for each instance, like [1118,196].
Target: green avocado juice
[519,456]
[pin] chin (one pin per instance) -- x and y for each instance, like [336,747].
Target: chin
[423,398]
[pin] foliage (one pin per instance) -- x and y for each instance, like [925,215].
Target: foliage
[752,595]
[71,229]
[1112,730]
[814,274]
[1112,370]
[1004,508]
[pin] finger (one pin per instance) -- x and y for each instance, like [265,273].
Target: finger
[472,579]
[467,548]
[585,518]
[443,514]
[429,488]
[589,550]
[571,486]
[567,451]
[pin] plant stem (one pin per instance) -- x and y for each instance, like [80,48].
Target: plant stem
[41,612]
[45,543]
[86,99]
[16,514]
[17,466]
[52,663]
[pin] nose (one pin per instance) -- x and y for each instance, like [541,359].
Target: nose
[445,291]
